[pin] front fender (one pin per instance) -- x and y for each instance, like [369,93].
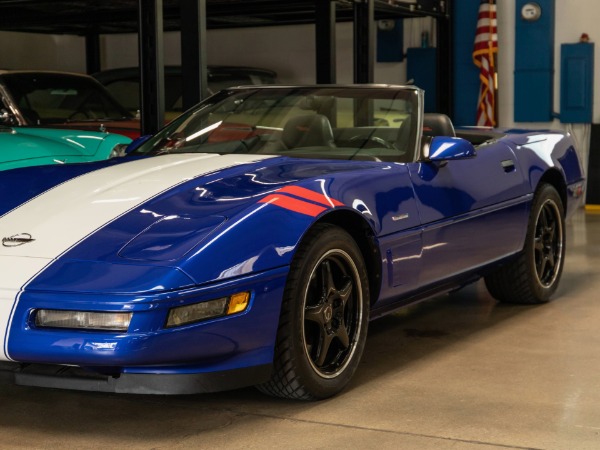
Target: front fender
[263,237]
[266,235]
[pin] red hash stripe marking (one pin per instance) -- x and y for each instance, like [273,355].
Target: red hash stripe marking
[310,195]
[292,204]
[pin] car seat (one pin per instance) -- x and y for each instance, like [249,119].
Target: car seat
[310,130]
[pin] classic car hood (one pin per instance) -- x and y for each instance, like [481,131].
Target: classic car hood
[18,144]
[148,215]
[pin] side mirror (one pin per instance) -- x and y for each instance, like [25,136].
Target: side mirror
[443,148]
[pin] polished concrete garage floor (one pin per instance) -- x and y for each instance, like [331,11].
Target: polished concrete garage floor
[457,372]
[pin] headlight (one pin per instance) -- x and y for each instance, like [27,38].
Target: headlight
[196,312]
[106,321]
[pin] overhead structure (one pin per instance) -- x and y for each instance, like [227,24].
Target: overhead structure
[194,17]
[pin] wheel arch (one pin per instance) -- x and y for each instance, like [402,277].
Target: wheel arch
[554,178]
[362,233]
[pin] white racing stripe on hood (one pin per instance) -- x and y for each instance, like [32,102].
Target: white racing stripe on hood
[61,217]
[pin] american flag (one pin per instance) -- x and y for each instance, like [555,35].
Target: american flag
[486,46]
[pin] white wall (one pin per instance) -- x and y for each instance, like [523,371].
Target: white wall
[42,51]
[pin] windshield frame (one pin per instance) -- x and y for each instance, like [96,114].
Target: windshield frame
[169,139]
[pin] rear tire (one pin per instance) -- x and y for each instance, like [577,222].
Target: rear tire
[324,318]
[534,275]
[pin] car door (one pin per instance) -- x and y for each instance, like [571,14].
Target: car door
[472,210]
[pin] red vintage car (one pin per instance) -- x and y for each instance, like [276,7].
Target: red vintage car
[62,100]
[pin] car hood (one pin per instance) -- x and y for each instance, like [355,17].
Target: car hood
[181,219]
[31,146]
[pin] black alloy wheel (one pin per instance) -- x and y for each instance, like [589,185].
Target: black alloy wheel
[548,243]
[331,314]
[324,317]
[533,276]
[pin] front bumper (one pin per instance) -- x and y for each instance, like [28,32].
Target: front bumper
[149,358]
[75,378]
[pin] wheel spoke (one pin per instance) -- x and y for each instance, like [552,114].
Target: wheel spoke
[315,314]
[542,267]
[550,261]
[551,231]
[538,244]
[544,217]
[346,291]
[323,348]
[342,335]
[340,312]
[327,278]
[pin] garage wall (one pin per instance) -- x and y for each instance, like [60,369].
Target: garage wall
[42,51]
[290,50]
[287,50]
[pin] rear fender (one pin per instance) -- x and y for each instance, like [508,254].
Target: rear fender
[552,158]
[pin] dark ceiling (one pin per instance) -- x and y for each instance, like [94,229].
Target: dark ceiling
[83,17]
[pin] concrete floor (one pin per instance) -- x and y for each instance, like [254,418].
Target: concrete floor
[456,372]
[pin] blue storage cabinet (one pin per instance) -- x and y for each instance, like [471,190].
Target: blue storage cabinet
[390,41]
[576,83]
[421,67]
[534,64]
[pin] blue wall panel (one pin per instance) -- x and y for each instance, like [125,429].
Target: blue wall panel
[390,42]
[421,68]
[534,64]
[576,83]
[466,74]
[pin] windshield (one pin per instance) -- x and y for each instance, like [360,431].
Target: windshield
[368,123]
[48,98]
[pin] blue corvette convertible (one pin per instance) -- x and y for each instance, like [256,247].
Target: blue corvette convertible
[252,239]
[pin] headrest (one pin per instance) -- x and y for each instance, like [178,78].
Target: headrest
[437,125]
[311,130]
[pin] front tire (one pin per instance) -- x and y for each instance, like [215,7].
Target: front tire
[324,318]
[534,276]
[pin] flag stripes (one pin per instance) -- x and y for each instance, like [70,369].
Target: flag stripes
[485,47]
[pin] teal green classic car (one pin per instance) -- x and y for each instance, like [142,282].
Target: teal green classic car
[23,146]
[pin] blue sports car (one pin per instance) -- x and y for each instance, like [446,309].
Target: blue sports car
[252,239]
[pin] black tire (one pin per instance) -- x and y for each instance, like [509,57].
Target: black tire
[324,318]
[534,276]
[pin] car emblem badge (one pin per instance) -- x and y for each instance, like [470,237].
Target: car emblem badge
[17,239]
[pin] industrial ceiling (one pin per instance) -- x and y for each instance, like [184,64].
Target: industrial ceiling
[82,17]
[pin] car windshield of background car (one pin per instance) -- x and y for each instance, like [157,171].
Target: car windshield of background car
[52,98]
